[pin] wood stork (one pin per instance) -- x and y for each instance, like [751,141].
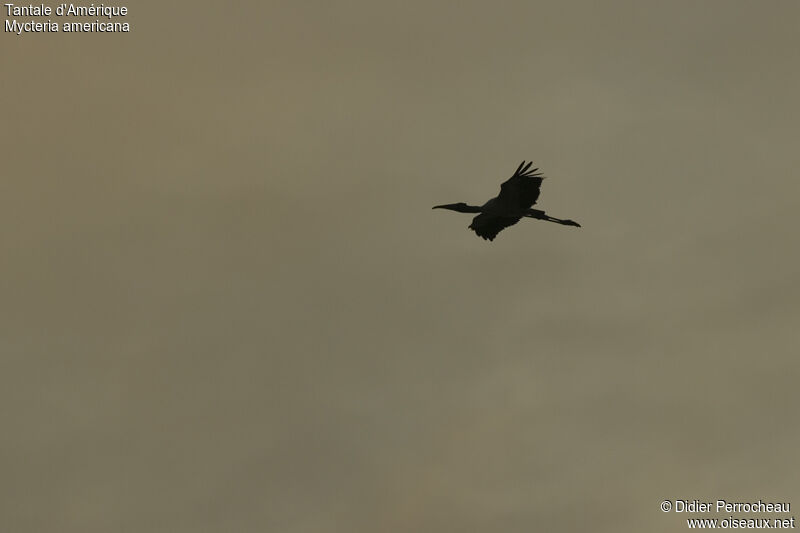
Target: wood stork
[517,195]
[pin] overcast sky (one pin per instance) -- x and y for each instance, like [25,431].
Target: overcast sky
[228,306]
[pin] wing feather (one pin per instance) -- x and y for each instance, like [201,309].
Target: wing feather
[488,226]
[522,189]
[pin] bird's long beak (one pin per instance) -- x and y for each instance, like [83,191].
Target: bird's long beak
[439,206]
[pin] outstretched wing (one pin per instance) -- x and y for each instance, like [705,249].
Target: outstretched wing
[522,189]
[488,226]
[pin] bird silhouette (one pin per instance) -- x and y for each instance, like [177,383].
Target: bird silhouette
[517,194]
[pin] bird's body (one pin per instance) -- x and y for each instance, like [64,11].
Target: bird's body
[517,195]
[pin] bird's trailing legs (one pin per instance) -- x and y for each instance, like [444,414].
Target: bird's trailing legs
[541,215]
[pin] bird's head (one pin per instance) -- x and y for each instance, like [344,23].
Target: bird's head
[461,207]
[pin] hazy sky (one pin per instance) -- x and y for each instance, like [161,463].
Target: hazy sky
[228,306]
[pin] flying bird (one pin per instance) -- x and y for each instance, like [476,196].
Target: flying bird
[517,194]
